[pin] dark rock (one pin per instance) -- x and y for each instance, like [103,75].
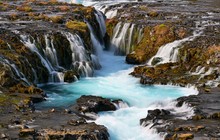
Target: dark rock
[77,122]
[155,115]
[27,131]
[156,60]
[94,104]
[146,80]
[132,58]
[70,76]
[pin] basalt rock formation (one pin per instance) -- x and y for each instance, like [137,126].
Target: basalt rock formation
[43,42]
[46,41]
[177,48]
[176,43]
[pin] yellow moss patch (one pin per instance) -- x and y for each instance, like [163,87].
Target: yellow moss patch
[110,24]
[77,25]
[24,8]
[56,19]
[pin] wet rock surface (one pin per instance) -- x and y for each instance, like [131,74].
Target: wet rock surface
[25,122]
[41,42]
[94,104]
[51,124]
[148,26]
[44,41]
[204,124]
[196,63]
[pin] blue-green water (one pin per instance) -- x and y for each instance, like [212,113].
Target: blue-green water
[113,81]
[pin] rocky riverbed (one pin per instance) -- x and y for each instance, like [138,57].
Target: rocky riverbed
[37,46]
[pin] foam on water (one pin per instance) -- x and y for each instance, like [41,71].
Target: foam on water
[113,81]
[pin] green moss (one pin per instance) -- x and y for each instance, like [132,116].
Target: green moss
[26,8]
[110,25]
[77,25]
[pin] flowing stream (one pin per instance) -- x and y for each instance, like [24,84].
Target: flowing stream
[113,81]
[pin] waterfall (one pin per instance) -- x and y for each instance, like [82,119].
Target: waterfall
[80,60]
[16,70]
[101,20]
[169,52]
[122,38]
[48,53]
[77,47]
[96,43]
[31,45]
[199,70]
[111,14]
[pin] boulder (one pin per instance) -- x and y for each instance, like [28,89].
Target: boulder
[156,60]
[133,58]
[94,104]
[154,115]
[27,131]
[70,76]
[146,80]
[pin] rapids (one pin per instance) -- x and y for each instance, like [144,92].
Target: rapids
[113,81]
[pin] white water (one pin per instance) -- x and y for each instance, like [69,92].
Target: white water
[169,52]
[113,81]
[54,76]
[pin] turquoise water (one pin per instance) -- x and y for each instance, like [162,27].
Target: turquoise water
[113,81]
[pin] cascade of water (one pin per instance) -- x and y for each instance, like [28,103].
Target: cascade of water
[56,77]
[129,48]
[77,47]
[208,72]
[111,14]
[15,69]
[122,38]
[80,60]
[95,42]
[101,20]
[169,52]
[199,70]
[31,45]
[84,68]
[50,51]
[140,34]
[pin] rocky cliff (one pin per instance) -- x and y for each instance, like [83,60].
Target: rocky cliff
[47,41]
[177,48]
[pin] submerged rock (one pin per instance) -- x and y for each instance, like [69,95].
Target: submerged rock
[154,116]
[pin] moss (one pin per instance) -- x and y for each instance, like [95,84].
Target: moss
[56,19]
[25,8]
[110,25]
[153,38]
[153,14]
[77,25]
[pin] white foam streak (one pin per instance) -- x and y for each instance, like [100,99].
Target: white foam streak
[111,14]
